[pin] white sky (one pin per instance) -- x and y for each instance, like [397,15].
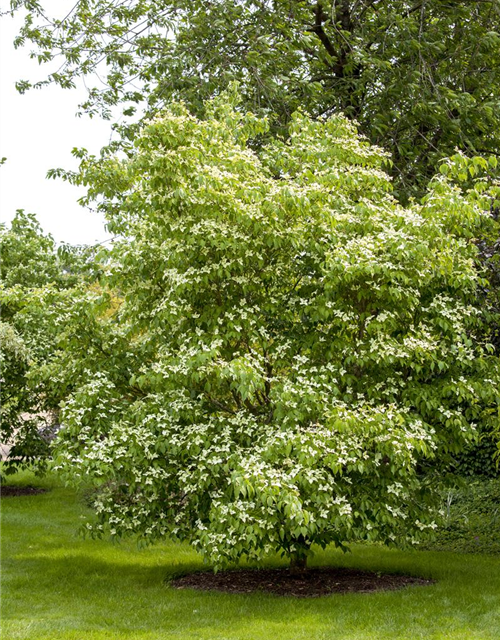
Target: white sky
[37,132]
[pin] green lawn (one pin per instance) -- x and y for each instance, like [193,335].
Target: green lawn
[56,585]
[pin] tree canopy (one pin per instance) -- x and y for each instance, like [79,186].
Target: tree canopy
[293,353]
[421,77]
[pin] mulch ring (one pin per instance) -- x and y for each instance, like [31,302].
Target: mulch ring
[11,491]
[310,583]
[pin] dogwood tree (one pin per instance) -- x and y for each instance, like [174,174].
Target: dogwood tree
[292,351]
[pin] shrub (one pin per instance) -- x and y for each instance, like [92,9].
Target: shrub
[471,518]
[35,289]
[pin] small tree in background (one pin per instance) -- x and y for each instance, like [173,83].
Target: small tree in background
[294,354]
[37,281]
[20,431]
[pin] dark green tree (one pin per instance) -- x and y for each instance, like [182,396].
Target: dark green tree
[420,76]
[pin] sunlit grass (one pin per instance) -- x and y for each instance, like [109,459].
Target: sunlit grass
[56,585]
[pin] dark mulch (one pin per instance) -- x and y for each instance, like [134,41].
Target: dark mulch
[11,491]
[310,583]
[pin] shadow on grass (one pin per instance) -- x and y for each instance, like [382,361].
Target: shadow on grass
[156,566]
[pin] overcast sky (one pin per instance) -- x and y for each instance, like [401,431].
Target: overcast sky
[37,132]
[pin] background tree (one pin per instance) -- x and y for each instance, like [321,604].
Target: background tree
[292,349]
[19,431]
[421,77]
[37,281]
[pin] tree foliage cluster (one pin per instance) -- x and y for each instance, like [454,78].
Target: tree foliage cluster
[37,283]
[479,179]
[420,77]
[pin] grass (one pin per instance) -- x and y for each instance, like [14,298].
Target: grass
[57,586]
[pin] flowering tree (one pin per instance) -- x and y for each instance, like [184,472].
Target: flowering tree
[292,350]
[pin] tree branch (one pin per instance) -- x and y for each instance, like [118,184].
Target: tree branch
[317,28]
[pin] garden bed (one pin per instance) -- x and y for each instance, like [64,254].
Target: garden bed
[310,583]
[13,490]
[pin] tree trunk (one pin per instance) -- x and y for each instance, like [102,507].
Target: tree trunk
[298,561]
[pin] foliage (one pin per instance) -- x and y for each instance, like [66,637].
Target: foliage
[37,279]
[479,180]
[421,78]
[294,355]
[479,458]
[471,520]
[17,427]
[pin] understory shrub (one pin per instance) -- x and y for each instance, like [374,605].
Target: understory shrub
[471,518]
[479,458]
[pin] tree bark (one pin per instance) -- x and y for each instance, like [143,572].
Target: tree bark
[298,561]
